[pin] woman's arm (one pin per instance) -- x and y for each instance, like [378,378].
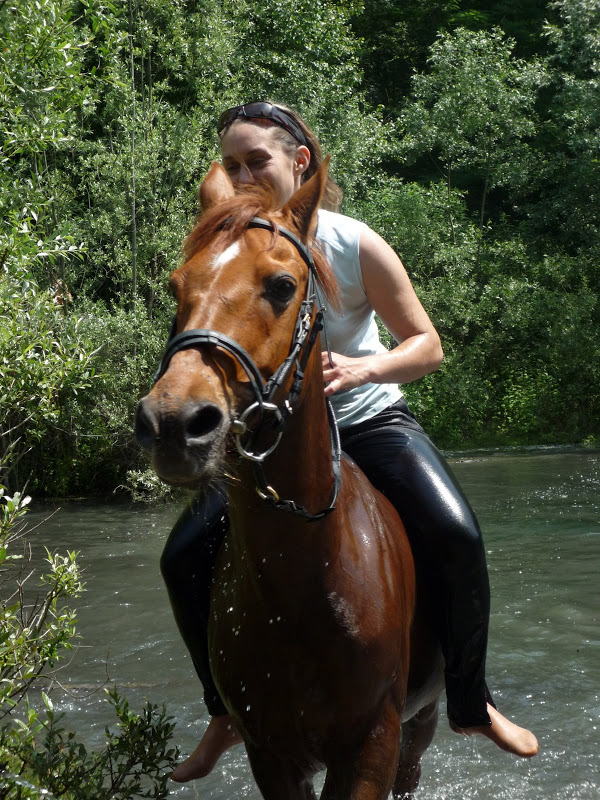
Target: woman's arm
[392,296]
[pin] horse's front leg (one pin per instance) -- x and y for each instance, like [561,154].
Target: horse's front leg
[368,773]
[279,779]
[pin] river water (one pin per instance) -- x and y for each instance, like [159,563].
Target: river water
[540,515]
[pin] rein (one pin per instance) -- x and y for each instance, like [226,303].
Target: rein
[309,323]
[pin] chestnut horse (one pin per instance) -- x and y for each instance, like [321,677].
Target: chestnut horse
[317,645]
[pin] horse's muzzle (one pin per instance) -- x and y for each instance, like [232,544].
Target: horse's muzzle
[185,442]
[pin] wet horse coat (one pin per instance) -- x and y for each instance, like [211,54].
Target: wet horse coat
[318,646]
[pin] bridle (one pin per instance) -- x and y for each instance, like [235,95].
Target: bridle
[309,323]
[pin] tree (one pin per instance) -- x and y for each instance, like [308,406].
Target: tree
[472,114]
[395,39]
[44,99]
[499,298]
[107,124]
[564,187]
[45,362]
[522,22]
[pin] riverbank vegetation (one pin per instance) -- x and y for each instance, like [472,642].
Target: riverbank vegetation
[465,132]
[39,757]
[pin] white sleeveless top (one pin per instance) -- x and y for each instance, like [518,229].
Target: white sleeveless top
[354,333]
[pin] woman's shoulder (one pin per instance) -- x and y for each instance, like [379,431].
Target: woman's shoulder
[338,230]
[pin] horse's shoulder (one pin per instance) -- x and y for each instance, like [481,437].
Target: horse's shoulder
[373,516]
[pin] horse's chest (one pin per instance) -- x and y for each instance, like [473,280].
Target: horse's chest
[290,673]
[256,647]
[266,672]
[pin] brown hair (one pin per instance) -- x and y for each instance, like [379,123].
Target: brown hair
[332,195]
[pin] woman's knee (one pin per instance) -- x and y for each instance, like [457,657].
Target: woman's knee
[195,539]
[170,562]
[444,508]
[464,543]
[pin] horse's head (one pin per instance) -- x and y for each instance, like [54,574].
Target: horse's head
[239,297]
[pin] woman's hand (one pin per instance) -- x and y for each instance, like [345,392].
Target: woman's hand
[346,373]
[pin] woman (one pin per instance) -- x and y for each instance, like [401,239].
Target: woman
[262,142]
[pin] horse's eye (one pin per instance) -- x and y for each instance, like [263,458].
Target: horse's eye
[280,288]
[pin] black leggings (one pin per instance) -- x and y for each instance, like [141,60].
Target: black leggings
[400,460]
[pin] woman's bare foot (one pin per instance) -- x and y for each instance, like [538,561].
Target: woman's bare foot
[221,734]
[505,734]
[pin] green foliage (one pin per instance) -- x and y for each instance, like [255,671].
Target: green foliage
[564,182]
[484,178]
[69,385]
[523,22]
[145,486]
[302,52]
[42,756]
[44,100]
[34,629]
[474,109]
[522,365]
[168,151]
[428,226]
[42,93]
[38,756]
[46,361]
[128,350]
[174,68]
[395,38]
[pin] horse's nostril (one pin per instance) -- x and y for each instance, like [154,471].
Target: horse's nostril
[203,421]
[146,425]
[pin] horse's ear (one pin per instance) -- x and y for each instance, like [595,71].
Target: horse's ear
[304,204]
[216,187]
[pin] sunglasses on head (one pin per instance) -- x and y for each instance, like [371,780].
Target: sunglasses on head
[260,110]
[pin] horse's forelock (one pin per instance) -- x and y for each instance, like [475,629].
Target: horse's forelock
[227,221]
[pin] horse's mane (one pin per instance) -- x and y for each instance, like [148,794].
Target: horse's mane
[228,220]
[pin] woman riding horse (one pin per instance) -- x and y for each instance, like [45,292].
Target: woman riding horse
[270,144]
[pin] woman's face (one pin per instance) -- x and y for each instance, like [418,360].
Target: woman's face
[251,154]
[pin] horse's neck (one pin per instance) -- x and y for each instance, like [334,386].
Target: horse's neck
[300,469]
[302,465]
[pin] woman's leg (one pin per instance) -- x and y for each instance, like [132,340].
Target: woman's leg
[187,565]
[400,461]
[406,467]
